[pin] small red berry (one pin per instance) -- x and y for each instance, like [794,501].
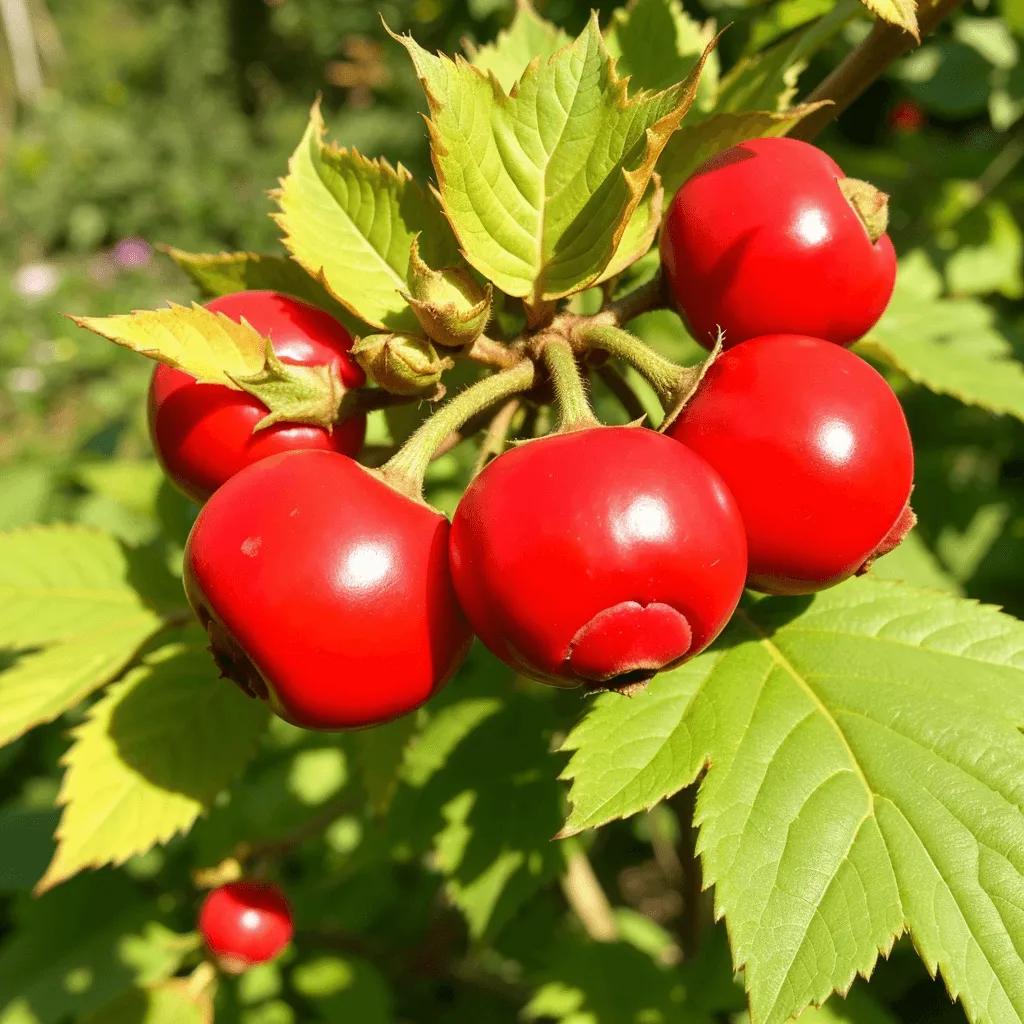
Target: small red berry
[761,240]
[601,556]
[325,592]
[203,433]
[815,448]
[245,923]
[907,117]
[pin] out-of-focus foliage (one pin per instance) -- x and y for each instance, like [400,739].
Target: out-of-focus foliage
[433,894]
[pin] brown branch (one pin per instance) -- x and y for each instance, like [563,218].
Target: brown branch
[684,803]
[866,62]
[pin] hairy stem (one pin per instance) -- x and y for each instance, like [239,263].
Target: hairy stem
[587,899]
[570,391]
[641,300]
[866,62]
[407,468]
[492,353]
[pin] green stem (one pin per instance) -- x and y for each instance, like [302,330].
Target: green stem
[641,300]
[496,438]
[570,392]
[406,469]
[667,378]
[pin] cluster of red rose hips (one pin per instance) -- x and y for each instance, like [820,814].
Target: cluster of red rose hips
[595,556]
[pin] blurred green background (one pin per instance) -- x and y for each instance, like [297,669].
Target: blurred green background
[128,123]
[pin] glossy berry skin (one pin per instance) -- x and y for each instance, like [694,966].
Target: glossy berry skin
[598,557]
[203,433]
[760,240]
[325,592]
[815,448]
[245,923]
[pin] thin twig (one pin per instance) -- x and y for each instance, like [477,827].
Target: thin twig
[684,804]
[619,387]
[866,62]
[641,300]
[587,899]
[494,441]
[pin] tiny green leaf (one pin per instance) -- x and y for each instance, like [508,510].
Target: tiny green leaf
[897,12]
[208,346]
[350,222]
[527,38]
[656,44]
[862,753]
[695,143]
[150,758]
[539,185]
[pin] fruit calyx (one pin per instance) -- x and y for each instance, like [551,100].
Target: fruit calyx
[294,394]
[893,539]
[452,308]
[869,203]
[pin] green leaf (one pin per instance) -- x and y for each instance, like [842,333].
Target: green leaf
[42,686]
[640,232]
[225,273]
[61,582]
[527,38]
[479,788]
[695,143]
[380,753]
[350,222]
[768,80]
[656,44]
[857,1008]
[167,1004]
[80,946]
[540,185]
[151,757]
[896,12]
[951,346]
[26,838]
[863,754]
[209,346]
[25,491]
[344,990]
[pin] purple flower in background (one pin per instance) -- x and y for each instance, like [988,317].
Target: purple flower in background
[132,252]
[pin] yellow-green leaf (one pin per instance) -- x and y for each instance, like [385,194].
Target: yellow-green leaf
[641,231]
[209,346]
[151,757]
[540,184]
[350,222]
[896,12]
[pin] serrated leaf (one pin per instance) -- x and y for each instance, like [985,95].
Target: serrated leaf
[640,232]
[656,44]
[539,185]
[695,143]
[896,12]
[225,273]
[60,582]
[209,346]
[951,346]
[42,686]
[350,222]
[150,758]
[528,37]
[865,778]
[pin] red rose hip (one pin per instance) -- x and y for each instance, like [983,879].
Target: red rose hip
[244,924]
[761,239]
[203,433]
[325,591]
[600,557]
[814,446]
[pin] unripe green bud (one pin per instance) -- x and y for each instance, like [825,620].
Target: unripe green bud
[451,307]
[401,363]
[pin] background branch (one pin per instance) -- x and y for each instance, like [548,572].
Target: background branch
[866,62]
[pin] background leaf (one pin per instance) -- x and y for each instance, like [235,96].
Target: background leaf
[151,757]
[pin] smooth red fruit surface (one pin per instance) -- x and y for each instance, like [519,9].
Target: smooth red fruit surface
[245,923]
[599,557]
[325,592]
[760,240]
[203,433]
[815,448]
